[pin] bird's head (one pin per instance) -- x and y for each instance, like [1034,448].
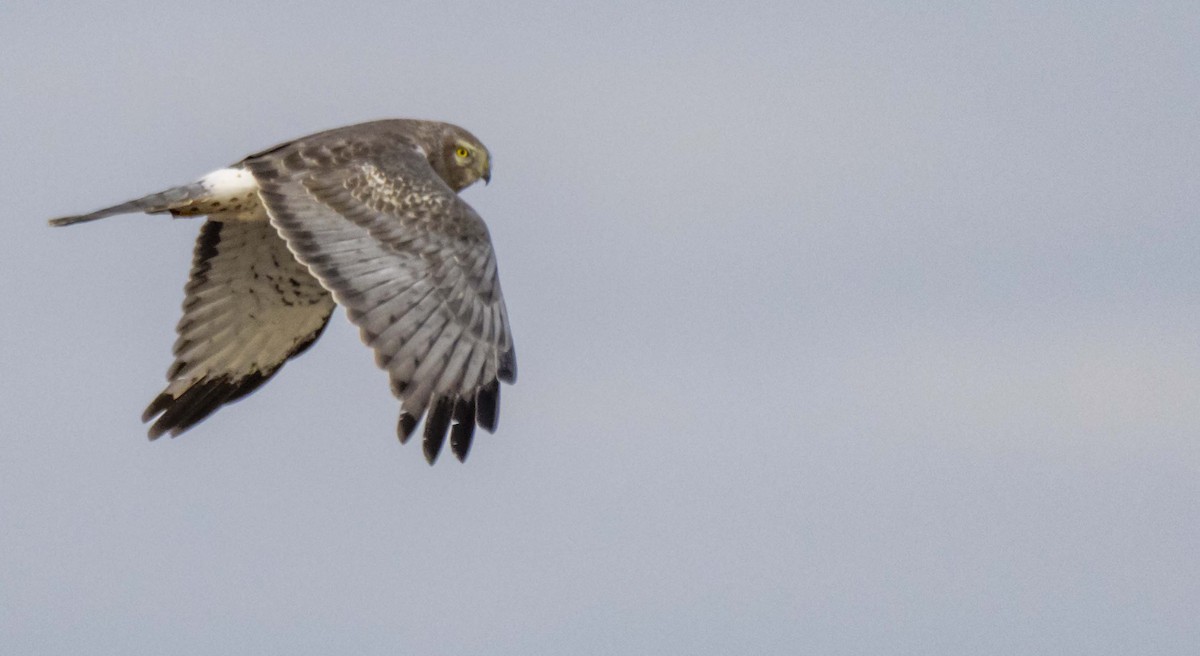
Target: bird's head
[459,158]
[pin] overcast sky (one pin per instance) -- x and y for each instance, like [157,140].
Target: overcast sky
[843,328]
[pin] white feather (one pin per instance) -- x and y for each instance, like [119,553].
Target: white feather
[229,183]
[232,194]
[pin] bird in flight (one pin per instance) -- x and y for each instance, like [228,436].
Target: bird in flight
[367,216]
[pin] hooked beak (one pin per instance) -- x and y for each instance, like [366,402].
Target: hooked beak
[487,172]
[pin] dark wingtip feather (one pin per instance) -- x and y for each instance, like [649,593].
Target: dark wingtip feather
[463,430]
[196,403]
[436,424]
[508,366]
[192,406]
[406,426]
[160,403]
[487,406]
[156,431]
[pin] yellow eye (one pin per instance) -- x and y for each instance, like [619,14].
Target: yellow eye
[461,152]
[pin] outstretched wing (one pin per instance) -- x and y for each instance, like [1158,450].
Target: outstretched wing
[250,307]
[414,267]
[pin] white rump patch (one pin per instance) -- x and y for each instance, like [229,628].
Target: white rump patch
[229,183]
[231,194]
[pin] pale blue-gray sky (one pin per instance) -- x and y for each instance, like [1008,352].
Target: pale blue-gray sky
[844,328]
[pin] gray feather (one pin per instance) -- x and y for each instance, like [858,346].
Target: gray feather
[163,201]
[375,219]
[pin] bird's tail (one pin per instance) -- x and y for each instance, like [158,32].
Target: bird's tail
[173,199]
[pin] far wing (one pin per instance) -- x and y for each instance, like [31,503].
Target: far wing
[250,307]
[414,266]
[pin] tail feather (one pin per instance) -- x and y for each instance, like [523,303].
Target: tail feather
[174,198]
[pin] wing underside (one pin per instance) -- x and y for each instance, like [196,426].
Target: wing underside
[250,306]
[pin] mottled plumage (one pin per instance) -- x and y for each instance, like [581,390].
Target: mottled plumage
[368,216]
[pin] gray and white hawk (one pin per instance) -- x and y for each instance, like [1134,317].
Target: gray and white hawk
[367,216]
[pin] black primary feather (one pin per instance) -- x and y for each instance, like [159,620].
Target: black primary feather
[463,430]
[437,421]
